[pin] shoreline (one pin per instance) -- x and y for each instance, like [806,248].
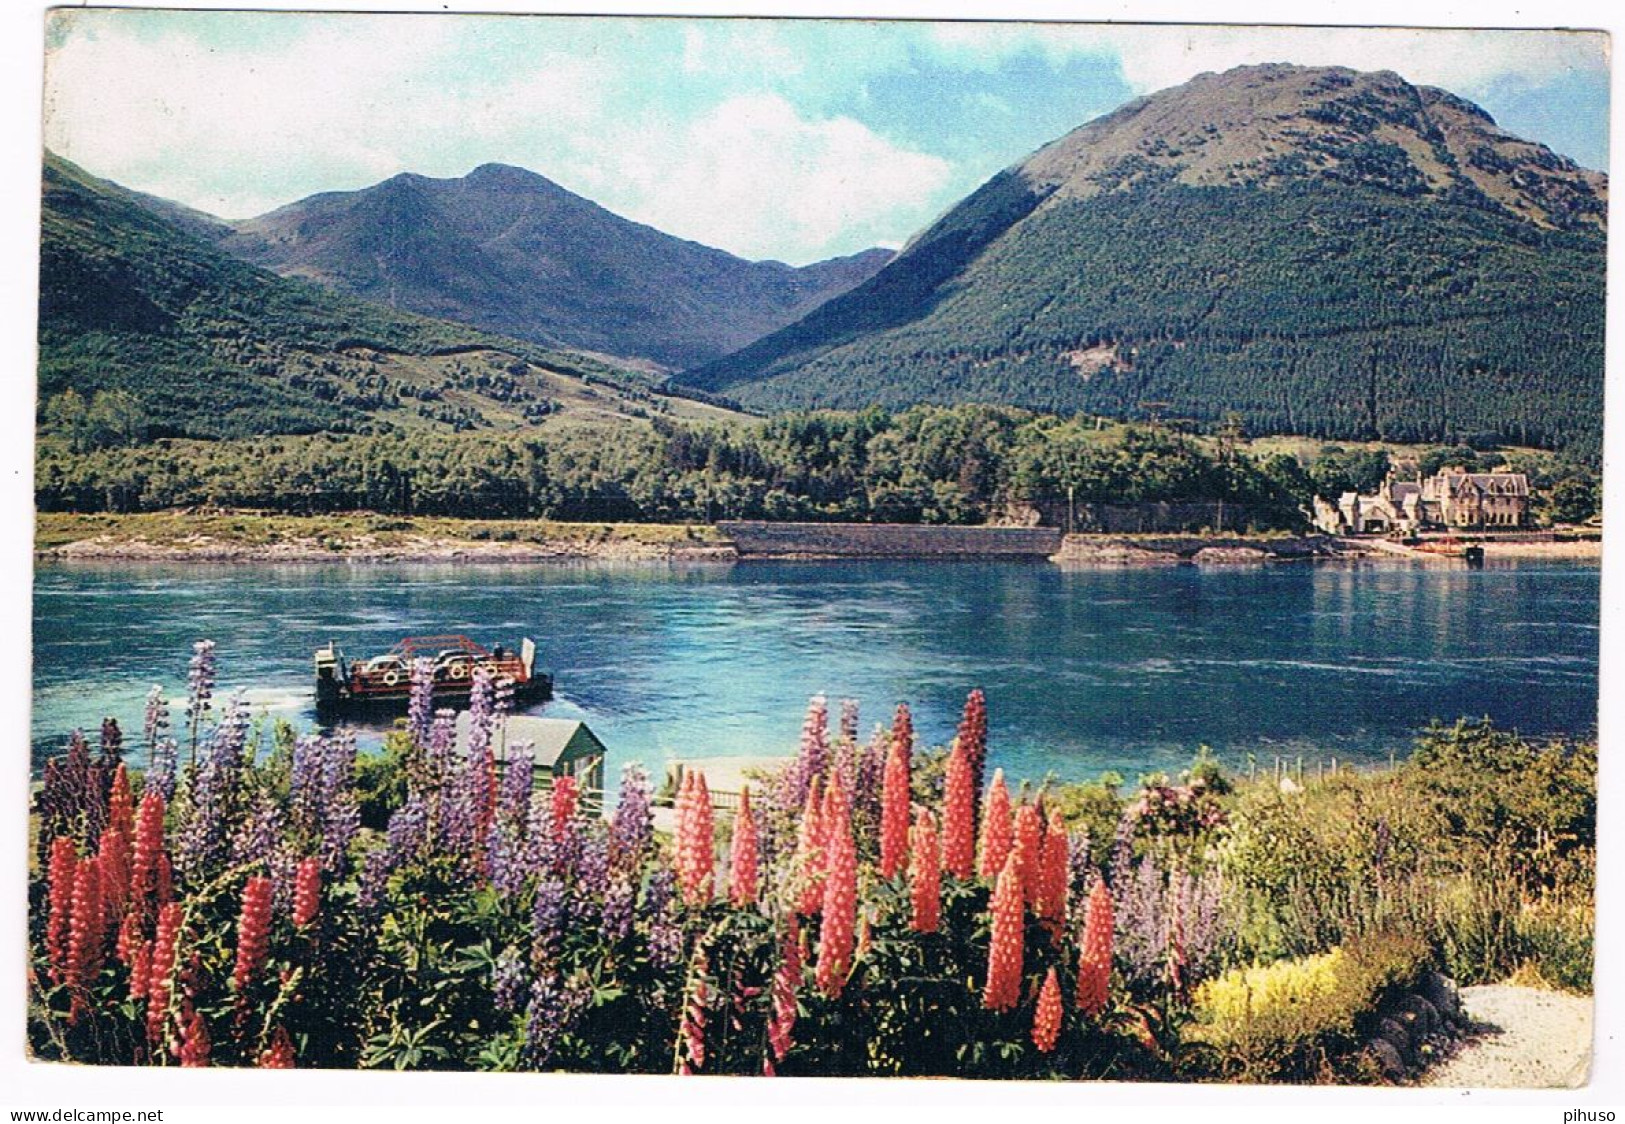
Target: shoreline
[363,539]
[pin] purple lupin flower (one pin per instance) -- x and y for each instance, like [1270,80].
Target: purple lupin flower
[305,777]
[1139,908]
[155,723]
[518,781]
[866,787]
[547,920]
[812,756]
[258,835]
[407,831]
[161,776]
[619,899]
[420,708]
[591,878]
[481,712]
[201,846]
[1120,862]
[544,1019]
[665,935]
[505,858]
[632,827]
[282,863]
[508,983]
[200,678]
[374,882]
[340,824]
[442,745]
[849,721]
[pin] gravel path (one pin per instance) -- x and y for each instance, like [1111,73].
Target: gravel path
[1526,1038]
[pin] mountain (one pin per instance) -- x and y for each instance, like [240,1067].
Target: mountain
[145,318]
[513,252]
[1322,251]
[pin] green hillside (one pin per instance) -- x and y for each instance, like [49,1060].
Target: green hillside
[147,331]
[1320,252]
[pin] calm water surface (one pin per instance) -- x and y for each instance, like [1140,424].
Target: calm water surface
[1085,670]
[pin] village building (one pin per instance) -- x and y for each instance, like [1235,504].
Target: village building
[559,747]
[1451,500]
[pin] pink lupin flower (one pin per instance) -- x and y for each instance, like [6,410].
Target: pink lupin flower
[1005,948]
[144,852]
[253,931]
[307,891]
[742,872]
[1055,875]
[894,804]
[696,859]
[64,864]
[997,834]
[86,929]
[566,795]
[1027,846]
[786,982]
[1047,1018]
[837,936]
[959,817]
[808,864]
[161,981]
[925,869]
[1095,953]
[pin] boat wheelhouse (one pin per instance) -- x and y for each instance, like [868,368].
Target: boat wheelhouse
[384,682]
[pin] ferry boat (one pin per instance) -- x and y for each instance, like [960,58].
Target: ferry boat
[384,683]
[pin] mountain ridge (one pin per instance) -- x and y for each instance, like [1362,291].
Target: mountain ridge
[1316,248]
[509,250]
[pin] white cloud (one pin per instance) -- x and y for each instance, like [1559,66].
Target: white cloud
[755,177]
[1154,57]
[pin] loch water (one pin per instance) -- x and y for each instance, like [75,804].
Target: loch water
[1125,669]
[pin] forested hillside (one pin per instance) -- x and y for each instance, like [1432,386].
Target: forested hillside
[510,251]
[1338,255]
[147,331]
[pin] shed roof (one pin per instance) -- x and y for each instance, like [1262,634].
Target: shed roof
[551,739]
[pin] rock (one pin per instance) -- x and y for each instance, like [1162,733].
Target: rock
[1440,990]
[1388,1059]
[1420,1015]
[1230,556]
[1395,1034]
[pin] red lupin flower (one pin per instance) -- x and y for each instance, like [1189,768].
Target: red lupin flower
[811,840]
[164,881]
[160,983]
[1006,947]
[194,1045]
[113,857]
[129,938]
[307,891]
[902,731]
[836,937]
[120,804]
[1028,849]
[140,970]
[696,842]
[786,982]
[894,803]
[1047,1018]
[959,817]
[1095,954]
[566,793]
[63,865]
[925,869]
[1055,875]
[742,872]
[972,738]
[279,1054]
[145,849]
[997,835]
[86,927]
[694,1014]
[253,931]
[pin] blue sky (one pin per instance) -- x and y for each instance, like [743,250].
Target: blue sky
[769,138]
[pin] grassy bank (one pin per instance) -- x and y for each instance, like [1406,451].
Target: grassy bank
[250,534]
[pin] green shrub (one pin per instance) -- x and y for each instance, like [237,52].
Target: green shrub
[1300,1019]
